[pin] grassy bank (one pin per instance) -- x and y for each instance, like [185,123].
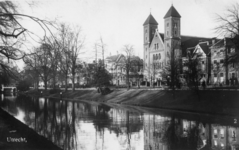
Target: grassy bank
[206,101]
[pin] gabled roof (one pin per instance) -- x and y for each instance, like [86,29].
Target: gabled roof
[162,36]
[150,20]
[172,12]
[204,47]
[113,58]
[191,41]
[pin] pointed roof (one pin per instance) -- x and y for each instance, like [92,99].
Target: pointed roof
[204,47]
[150,20]
[172,12]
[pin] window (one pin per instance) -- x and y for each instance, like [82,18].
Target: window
[215,61]
[146,31]
[167,44]
[154,46]
[202,62]
[175,32]
[153,57]
[159,56]
[215,133]
[146,49]
[157,45]
[146,56]
[167,33]
[215,75]
[222,133]
[221,74]
[221,61]
[215,143]
[167,24]
[156,56]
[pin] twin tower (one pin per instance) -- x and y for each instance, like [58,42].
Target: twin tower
[157,45]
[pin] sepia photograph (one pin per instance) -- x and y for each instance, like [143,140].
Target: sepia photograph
[119,75]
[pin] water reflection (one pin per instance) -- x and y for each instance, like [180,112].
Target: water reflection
[78,125]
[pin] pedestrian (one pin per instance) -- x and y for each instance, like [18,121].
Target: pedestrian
[231,82]
[236,81]
[204,84]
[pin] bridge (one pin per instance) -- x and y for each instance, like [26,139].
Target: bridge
[8,89]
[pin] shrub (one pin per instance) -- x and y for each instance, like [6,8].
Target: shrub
[23,85]
[53,91]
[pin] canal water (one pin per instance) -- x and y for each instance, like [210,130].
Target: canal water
[91,126]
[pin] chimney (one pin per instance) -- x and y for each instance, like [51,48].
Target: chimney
[213,40]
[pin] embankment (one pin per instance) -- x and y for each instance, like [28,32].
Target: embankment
[203,101]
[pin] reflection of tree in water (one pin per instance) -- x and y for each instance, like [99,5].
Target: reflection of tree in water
[178,138]
[56,120]
[101,119]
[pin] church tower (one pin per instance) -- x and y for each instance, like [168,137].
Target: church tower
[150,26]
[172,34]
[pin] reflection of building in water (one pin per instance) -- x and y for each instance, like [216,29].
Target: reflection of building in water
[154,128]
[127,126]
[123,119]
[225,137]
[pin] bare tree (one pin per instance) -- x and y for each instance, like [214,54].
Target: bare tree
[128,50]
[64,42]
[75,50]
[13,34]
[173,67]
[42,63]
[228,26]
[11,28]
[194,69]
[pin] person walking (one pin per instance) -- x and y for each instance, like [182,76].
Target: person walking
[203,84]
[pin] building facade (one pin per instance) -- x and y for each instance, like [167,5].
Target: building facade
[116,66]
[160,48]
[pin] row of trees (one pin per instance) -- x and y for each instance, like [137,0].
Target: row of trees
[57,57]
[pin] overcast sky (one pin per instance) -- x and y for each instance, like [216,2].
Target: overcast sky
[120,22]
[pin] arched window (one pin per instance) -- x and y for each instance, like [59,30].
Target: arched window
[159,56]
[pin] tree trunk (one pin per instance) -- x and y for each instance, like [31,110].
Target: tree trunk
[73,82]
[54,81]
[226,66]
[45,83]
[66,83]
